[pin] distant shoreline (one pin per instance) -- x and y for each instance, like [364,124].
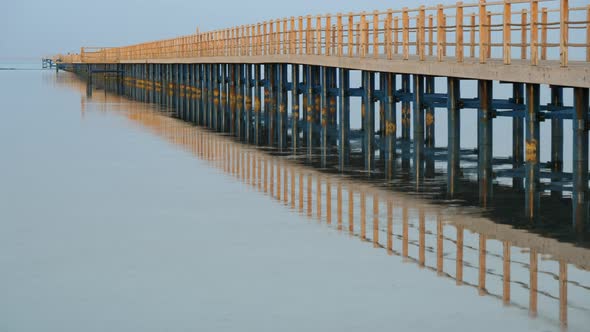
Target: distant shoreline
[14,68]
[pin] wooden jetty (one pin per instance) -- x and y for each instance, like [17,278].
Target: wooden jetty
[286,83]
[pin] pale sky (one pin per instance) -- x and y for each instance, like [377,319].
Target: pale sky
[34,28]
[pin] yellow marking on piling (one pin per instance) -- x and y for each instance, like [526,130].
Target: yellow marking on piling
[429,119]
[390,128]
[531,151]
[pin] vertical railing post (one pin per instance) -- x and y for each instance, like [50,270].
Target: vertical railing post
[364,35]
[564,31]
[271,37]
[544,34]
[395,35]
[488,35]
[334,33]
[523,34]
[357,39]
[472,37]
[375,34]
[388,32]
[278,36]
[248,42]
[482,32]
[263,39]
[340,34]
[301,39]
[421,39]
[259,38]
[318,33]
[439,33]
[328,34]
[250,39]
[308,37]
[266,38]
[444,35]
[459,32]
[534,32]
[350,34]
[286,39]
[405,34]
[292,37]
[430,35]
[244,40]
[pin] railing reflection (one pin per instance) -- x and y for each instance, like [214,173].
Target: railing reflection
[496,260]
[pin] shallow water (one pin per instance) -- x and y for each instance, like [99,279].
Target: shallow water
[116,216]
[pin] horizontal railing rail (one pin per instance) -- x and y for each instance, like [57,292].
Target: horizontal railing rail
[498,30]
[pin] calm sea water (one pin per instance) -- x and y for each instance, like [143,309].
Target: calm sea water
[116,216]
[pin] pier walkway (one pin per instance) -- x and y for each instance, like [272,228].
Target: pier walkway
[286,83]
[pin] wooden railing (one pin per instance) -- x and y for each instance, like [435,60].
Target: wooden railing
[67,58]
[500,30]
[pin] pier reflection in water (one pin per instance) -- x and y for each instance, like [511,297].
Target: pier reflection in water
[523,270]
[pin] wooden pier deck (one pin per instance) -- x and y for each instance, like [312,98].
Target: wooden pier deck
[285,83]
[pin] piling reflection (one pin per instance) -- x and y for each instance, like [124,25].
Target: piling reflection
[547,278]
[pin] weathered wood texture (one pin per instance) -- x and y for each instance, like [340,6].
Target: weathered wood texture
[492,29]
